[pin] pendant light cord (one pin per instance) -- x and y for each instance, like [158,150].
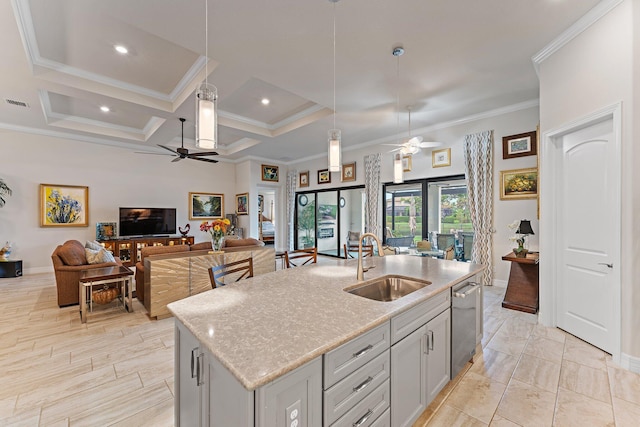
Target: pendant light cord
[334,65]
[206,41]
[398,100]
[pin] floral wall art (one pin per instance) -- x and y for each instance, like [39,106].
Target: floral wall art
[64,205]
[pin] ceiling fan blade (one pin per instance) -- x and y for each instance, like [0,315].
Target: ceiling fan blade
[167,148]
[204,153]
[415,140]
[203,160]
[430,144]
[177,159]
[155,154]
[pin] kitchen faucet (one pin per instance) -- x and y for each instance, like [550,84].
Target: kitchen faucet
[360,274]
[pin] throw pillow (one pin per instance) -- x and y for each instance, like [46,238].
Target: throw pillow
[72,253]
[93,245]
[98,256]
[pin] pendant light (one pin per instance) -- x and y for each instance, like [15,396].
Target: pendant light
[398,171]
[206,100]
[335,136]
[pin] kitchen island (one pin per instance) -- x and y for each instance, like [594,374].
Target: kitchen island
[261,330]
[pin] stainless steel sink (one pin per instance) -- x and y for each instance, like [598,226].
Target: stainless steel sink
[388,288]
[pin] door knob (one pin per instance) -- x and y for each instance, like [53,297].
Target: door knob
[609,265]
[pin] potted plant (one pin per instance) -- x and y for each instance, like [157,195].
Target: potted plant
[4,192]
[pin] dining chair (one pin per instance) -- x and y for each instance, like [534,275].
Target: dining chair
[301,257]
[367,250]
[244,268]
[444,240]
[424,245]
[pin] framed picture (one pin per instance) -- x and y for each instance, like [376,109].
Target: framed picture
[270,173]
[242,204]
[303,179]
[206,206]
[324,176]
[406,163]
[519,184]
[349,172]
[64,205]
[106,230]
[523,144]
[441,158]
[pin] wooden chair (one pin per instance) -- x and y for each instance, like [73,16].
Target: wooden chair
[367,250]
[449,253]
[301,257]
[244,267]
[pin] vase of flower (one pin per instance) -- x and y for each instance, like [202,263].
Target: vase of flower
[520,251]
[217,230]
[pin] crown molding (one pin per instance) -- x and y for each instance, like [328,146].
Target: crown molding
[589,18]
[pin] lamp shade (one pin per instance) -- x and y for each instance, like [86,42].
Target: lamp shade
[398,170]
[206,116]
[335,157]
[525,227]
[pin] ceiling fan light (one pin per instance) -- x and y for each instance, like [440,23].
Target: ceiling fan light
[206,116]
[398,170]
[335,156]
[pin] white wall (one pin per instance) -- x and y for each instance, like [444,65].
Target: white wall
[597,69]
[116,177]
[505,212]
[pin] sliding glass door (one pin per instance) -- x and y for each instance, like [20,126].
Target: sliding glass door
[305,220]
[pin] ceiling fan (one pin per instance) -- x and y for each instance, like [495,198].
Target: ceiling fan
[183,153]
[414,144]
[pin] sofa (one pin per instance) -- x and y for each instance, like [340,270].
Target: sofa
[69,261]
[229,244]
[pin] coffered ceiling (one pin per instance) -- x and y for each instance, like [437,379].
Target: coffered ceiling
[463,58]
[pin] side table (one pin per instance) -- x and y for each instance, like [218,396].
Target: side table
[11,268]
[100,276]
[522,288]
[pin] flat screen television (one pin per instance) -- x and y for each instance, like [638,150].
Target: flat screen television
[147,221]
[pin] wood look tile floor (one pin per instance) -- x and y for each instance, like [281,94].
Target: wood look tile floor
[117,370]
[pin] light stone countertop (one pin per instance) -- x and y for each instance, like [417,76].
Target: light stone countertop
[263,327]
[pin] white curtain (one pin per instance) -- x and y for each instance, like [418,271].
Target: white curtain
[292,180]
[372,189]
[478,161]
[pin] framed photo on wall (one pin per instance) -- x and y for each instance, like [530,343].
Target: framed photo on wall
[106,230]
[441,158]
[242,204]
[349,172]
[303,179]
[519,184]
[64,205]
[520,145]
[206,206]
[270,173]
[324,176]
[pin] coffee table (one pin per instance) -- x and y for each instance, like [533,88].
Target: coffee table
[101,276]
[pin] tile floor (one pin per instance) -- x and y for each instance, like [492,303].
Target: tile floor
[117,370]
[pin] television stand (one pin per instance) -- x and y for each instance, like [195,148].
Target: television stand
[128,248]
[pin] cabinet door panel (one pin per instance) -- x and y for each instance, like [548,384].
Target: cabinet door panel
[187,399]
[439,354]
[408,378]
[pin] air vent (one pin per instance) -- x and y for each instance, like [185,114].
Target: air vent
[16,103]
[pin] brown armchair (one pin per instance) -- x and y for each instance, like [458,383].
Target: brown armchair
[69,261]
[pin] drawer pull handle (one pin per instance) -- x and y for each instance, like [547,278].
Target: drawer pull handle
[364,419]
[363,351]
[364,384]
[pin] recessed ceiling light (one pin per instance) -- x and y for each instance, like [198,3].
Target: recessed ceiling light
[121,49]
[265,101]
[105,109]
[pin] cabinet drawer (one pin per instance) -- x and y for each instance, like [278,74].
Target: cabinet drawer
[384,420]
[349,391]
[407,322]
[340,362]
[368,410]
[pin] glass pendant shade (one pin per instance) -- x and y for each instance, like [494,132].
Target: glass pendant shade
[206,116]
[398,170]
[335,157]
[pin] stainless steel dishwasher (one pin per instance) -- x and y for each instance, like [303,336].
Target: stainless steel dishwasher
[463,328]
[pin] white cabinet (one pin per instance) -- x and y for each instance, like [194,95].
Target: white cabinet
[188,367]
[420,367]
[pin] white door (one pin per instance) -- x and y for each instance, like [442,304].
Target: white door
[588,208]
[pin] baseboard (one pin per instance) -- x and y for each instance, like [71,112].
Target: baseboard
[499,283]
[629,362]
[38,270]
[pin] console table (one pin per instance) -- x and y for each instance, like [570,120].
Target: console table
[522,288]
